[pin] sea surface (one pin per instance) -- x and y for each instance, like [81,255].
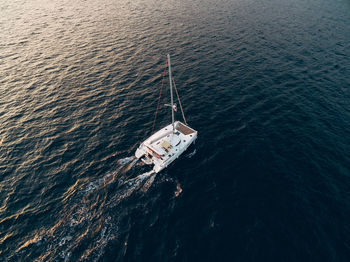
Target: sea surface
[267,85]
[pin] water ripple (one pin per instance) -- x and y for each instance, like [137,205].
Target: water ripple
[266,84]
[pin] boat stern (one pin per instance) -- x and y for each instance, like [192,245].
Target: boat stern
[140,151]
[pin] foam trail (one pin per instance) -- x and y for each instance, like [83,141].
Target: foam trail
[148,183]
[139,178]
[87,205]
[111,176]
[126,160]
[128,187]
[130,165]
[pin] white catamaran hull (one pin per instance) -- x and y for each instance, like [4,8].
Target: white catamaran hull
[163,147]
[166,145]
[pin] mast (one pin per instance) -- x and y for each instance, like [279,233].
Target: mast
[171,94]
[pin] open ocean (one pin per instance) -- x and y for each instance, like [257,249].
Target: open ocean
[267,85]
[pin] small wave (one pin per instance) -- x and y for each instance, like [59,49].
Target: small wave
[64,240]
[36,239]
[191,154]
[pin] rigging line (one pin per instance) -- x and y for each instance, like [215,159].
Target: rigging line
[160,94]
[183,115]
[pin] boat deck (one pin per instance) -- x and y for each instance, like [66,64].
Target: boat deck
[163,147]
[184,129]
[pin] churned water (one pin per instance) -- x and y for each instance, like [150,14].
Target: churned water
[266,84]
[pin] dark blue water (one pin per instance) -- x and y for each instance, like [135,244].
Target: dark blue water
[266,84]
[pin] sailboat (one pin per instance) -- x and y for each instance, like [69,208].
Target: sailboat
[167,144]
